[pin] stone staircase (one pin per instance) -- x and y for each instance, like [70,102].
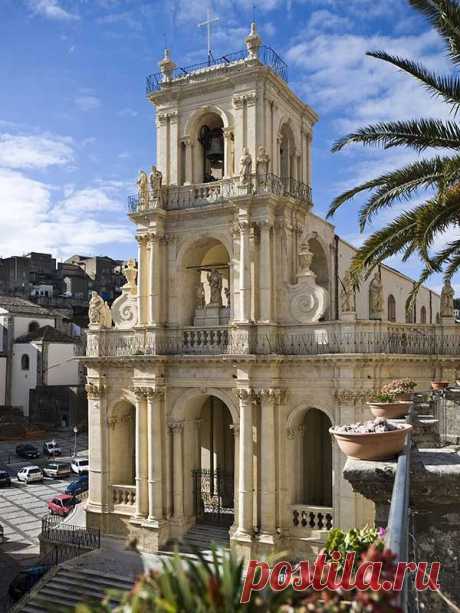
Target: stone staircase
[67,586]
[199,538]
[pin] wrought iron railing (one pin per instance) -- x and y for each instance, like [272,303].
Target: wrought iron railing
[267,56]
[228,341]
[55,531]
[203,194]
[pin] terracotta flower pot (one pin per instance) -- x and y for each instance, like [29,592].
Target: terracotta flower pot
[404,396]
[439,385]
[389,410]
[372,446]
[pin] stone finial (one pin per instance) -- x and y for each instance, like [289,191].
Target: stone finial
[167,66]
[253,42]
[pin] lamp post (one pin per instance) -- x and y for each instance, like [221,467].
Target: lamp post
[75,431]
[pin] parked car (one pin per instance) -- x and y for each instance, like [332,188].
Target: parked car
[51,448]
[30,474]
[78,486]
[5,480]
[28,451]
[25,581]
[62,504]
[57,470]
[79,465]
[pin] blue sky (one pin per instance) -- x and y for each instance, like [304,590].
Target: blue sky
[75,126]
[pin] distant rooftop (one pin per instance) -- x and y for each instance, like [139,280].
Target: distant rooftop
[46,334]
[255,52]
[14,304]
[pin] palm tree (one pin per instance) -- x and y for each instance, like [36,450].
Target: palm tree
[414,231]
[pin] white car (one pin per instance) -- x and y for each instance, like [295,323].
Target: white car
[79,465]
[30,474]
[51,448]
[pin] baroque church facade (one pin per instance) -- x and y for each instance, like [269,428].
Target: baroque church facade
[238,341]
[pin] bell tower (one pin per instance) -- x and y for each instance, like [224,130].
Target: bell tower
[223,216]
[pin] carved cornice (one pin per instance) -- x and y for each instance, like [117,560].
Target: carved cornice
[162,118]
[95,390]
[353,396]
[239,100]
[142,239]
[246,395]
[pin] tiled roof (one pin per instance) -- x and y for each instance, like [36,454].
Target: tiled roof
[14,304]
[47,334]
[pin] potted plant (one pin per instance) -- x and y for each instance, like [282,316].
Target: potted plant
[386,404]
[401,389]
[373,440]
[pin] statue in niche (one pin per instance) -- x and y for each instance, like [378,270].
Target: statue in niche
[200,296]
[143,189]
[227,296]
[347,294]
[215,284]
[376,297]
[130,272]
[245,167]
[262,163]
[447,300]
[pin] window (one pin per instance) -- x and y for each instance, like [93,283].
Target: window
[33,326]
[25,362]
[391,308]
[423,315]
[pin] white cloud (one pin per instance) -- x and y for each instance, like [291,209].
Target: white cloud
[101,198]
[127,112]
[30,151]
[51,9]
[87,102]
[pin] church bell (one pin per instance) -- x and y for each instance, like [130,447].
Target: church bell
[213,142]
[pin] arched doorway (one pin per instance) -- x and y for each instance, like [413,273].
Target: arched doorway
[317,459]
[214,478]
[122,455]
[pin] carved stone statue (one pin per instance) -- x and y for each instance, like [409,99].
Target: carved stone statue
[96,309]
[156,180]
[130,272]
[215,284]
[305,259]
[245,167]
[447,300]
[347,294]
[143,189]
[200,296]
[227,295]
[376,297]
[262,162]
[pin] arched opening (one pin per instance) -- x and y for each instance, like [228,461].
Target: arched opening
[438,318]
[214,477]
[410,315]
[33,326]
[25,362]
[391,306]
[206,283]
[286,154]
[210,157]
[317,459]
[122,424]
[423,315]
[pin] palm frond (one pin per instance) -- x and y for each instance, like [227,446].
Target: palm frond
[418,134]
[445,86]
[444,15]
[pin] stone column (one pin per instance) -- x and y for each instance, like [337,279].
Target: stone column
[188,161]
[178,468]
[239,123]
[155,399]
[99,486]
[228,169]
[245,461]
[251,125]
[267,466]
[265,293]
[155,280]
[245,273]
[235,428]
[142,275]
[173,149]
[141,453]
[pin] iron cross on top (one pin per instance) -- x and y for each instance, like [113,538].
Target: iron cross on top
[209,21]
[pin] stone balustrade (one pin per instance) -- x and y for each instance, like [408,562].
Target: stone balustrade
[360,337]
[124,496]
[307,517]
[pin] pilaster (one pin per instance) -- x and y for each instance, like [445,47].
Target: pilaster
[141,452]
[99,486]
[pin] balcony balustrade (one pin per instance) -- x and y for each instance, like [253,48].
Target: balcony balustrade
[176,198]
[307,517]
[124,496]
[311,339]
